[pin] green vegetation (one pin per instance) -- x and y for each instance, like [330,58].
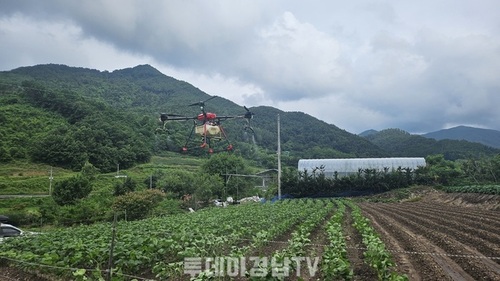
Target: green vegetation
[157,247]
[137,205]
[335,263]
[88,196]
[162,242]
[483,189]
[96,133]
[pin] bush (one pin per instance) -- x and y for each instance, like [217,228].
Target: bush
[67,192]
[83,212]
[139,204]
[168,207]
[49,211]
[89,210]
[122,188]
[25,217]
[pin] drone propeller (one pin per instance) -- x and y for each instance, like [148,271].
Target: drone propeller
[202,103]
[248,115]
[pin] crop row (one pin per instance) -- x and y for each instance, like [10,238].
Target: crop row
[376,255]
[335,263]
[300,239]
[484,189]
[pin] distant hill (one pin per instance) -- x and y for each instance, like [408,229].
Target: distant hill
[484,136]
[368,133]
[399,143]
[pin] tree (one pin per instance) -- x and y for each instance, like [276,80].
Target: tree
[127,186]
[177,183]
[89,171]
[224,163]
[68,191]
[207,187]
[59,148]
[441,170]
[138,204]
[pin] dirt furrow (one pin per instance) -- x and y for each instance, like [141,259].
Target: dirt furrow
[479,268]
[487,216]
[427,267]
[451,219]
[489,246]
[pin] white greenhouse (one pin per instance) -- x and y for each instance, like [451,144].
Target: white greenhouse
[347,166]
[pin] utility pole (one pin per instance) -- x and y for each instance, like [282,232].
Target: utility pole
[50,181]
[279,160]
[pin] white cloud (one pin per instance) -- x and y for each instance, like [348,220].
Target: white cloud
[241,93]
[39,42]
[294,60]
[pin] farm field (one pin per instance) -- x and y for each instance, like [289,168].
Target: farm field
[325,239]
[436,241]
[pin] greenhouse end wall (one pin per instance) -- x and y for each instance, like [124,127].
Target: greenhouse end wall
[347,166]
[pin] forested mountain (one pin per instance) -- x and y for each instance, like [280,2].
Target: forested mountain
[65,116]
[399,143]
[485,136]
[312,137]
[368,132]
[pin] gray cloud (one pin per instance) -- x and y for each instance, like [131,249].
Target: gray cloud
[418,66]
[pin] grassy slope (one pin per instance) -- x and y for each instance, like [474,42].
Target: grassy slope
[30,178]
[22,178]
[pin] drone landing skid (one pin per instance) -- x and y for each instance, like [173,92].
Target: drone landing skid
[209,132]
[210,150]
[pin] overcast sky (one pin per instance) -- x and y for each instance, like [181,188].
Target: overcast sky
[362,64]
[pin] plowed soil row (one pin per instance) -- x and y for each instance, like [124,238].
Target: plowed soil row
[396,237]
[471,221]
[454,252]
[486,216]
[485,241]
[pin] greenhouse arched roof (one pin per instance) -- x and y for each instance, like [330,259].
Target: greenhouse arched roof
[352,165]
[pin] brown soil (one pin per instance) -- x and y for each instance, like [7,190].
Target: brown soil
[441,240]
[473,200]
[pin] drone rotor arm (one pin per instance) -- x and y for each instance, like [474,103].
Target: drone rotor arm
[174,117]
[220,118]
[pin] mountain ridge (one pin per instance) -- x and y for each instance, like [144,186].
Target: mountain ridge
[398,143]
[488,137]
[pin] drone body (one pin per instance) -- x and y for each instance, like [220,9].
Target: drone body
[207,125]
